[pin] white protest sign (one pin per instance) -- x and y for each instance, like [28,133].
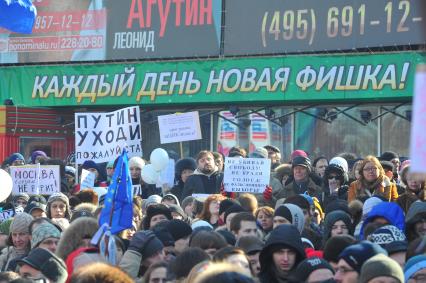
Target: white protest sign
[101,136]
[36,179]
[179,127]
[167,175]
[87,179]
[418,133]
[137,190]
[246,175]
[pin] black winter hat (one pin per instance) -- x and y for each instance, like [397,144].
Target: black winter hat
[164,236]
[301,161]
[283,211]
[235,208]
[179,229]
[387,165]
[336,169]
[298,200]
[184,163]
[356,255]
[283,236]
[47,263]
[335,245]
[306,267]
[229,237]
[153,210]
[338,204]
[388,155]
[225,204]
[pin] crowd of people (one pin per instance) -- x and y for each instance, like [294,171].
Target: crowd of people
[345,219]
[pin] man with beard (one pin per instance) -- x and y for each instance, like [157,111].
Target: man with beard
[206,178]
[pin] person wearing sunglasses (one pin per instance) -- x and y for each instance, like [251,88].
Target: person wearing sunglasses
[334,184]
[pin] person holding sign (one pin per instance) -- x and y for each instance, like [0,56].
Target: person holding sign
[206,179]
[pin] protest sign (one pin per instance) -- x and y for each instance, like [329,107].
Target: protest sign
[87,179]
[36,179]
[167,175]
[246,175]
[418,134]
[101,136]
[179,127]
[137,190]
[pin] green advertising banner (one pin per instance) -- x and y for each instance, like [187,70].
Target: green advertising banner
[278,80]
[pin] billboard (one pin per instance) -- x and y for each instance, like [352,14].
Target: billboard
[277,26]
[92,30]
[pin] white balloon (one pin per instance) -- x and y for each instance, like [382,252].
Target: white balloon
[6,185]
[149,174]
[159,159]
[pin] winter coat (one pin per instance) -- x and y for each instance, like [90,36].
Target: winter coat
[130,263]
[200,183]
[408,198]
[386,189]
[388,210]
[293,189]
[8,255]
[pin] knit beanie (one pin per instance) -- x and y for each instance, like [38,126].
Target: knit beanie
[297,216]
[340,162]
[298,200]
[70,171]
[179,229]
[306,267]
[23,196]
[369,204]
[414,264]
[356,255]
[283,211]
[90,164]
[136,161]
[15,156]
[154,210]
[36,154]
[164,236]
[381,265]
[42,232]
[390,238]
[335,245]
[152,199]
[21,223]
[298,152]
[301,161]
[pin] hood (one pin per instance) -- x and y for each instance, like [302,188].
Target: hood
[298,219]
[283,236]
[388,210]
[332,218]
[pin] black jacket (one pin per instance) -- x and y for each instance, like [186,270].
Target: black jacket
[199,183]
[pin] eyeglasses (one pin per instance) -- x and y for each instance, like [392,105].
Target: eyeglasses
[343,270]
[370,169]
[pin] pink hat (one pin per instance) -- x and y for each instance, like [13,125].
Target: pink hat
[298,152]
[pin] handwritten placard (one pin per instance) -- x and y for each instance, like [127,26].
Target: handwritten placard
[246,175]
[179,127]
[87,179]
[36,179]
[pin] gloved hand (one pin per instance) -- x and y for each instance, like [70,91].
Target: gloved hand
[226,194]
[267,193]
[139,241]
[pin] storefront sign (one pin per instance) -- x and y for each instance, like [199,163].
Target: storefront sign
[100,137]
[249,80]
[277,26]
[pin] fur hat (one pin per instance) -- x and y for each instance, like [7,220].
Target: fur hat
[184,163]
[281,170]
[42,232]
[71,239]
[136,161]
[88,196]
[154,210]
[179,229]
[381,265]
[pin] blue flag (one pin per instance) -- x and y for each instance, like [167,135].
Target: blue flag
[119,198]
[17,15]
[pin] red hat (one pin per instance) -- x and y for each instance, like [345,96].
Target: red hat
[298,152]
